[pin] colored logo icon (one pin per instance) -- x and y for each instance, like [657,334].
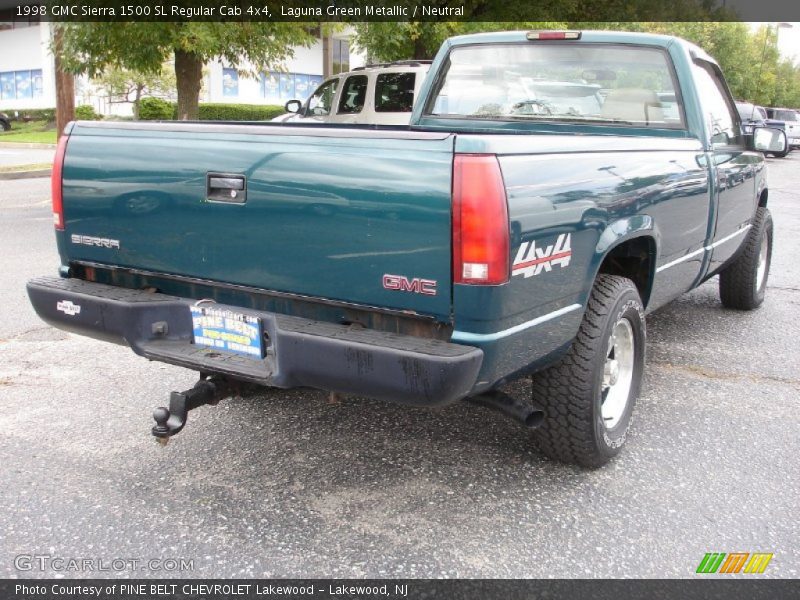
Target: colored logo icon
[735,562]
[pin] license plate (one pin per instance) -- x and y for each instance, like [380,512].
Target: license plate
[227,331]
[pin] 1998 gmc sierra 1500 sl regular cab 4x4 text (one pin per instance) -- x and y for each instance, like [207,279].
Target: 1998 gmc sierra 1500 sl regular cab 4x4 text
[545,197]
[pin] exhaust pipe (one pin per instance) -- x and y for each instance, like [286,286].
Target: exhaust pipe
[528,415]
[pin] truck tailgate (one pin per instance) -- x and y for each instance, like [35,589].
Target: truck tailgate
[323,212]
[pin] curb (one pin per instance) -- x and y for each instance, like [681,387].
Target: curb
[25,174]
[33,145]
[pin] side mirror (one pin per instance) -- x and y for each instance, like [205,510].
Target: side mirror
[768,139]
[293,106]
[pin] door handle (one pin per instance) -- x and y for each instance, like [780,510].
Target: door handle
[225,187]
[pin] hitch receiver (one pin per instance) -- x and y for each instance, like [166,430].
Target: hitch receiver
[169,421]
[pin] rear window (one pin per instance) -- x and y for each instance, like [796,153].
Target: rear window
[785,115]
[394,92]
[625,85]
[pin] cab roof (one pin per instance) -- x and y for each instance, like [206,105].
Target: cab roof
[587,36]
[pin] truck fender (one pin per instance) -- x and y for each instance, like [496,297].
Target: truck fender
[619,232]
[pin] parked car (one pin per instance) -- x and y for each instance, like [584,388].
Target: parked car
[516,227]
[756,116]
[789,117]
[752,116]
[377,94]
[5,122]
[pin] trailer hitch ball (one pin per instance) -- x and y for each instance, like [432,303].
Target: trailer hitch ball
[170,421]
[161,431]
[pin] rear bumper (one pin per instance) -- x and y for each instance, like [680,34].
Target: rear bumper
[328,356]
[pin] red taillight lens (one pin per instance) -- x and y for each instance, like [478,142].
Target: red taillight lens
[55,183]
[480,221]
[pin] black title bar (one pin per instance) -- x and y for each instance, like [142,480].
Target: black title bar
[343,11]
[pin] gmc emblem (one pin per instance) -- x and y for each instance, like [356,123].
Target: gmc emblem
[403,284]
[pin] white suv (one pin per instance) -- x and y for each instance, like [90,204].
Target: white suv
[376,94]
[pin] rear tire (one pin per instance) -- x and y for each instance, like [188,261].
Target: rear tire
[5,125]
[743,283]
[588,396]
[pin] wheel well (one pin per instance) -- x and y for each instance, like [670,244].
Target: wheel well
[635,260]
[762,199]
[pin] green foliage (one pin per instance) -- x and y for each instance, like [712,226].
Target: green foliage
[31,114]
[386,42]
[239,112]
[126,86]
[749,59]
[156,109]
[144,47]
[85,112]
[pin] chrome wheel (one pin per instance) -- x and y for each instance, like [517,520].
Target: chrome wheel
[763,255]
[617,373]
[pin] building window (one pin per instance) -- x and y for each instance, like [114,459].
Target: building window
[279,87]
[341,56]
[37,82]
[287,86]
[270,86]
[8,91]
[24,87]
[230,83]
[21,85]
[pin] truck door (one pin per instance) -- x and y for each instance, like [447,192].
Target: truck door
[731,165]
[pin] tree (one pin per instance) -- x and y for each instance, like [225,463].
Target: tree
[65,86]
[125,86]
[386,42]
[91,48]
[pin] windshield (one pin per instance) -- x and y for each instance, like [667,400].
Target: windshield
[559,82]
[748,112]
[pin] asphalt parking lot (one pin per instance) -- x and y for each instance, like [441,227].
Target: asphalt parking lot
[289,484]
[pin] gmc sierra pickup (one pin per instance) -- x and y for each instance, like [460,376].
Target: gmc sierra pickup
[551,189]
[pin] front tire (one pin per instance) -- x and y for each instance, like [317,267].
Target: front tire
[588,396]
[743,283]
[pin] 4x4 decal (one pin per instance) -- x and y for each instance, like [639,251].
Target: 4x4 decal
[532,260]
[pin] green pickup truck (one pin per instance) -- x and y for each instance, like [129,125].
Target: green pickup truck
[551,189]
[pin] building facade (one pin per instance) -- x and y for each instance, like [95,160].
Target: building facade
[27,77]
[26,66]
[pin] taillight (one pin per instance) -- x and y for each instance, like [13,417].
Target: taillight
[480,221]
[55,183]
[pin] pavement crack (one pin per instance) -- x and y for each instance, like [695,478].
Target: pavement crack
[783,288]
[719,375]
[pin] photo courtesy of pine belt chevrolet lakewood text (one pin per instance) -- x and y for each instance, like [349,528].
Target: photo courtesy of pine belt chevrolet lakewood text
[550,190]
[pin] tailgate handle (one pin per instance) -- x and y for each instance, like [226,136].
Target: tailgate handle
[222,187]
